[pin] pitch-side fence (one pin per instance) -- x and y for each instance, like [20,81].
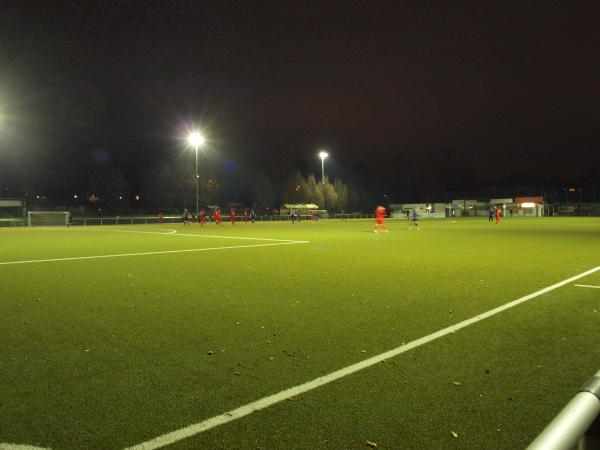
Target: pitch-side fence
[132,220]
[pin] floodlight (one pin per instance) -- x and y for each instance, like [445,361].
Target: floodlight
[323,154]
[528,205]
[195,139]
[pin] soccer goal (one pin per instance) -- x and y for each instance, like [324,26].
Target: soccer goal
[47,218]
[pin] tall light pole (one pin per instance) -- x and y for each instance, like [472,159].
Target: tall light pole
[195,139]
[323,155]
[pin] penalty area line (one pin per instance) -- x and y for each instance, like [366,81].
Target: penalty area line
[265,402]
[164,252]
[587,286]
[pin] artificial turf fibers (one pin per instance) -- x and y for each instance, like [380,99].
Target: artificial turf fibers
[123,334]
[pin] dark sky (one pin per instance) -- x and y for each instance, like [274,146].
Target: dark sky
[502,87]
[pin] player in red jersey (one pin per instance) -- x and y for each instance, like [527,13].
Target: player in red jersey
[217,216]
[232,216]
[202,218]
[380,220]
[246,216]
[497,215]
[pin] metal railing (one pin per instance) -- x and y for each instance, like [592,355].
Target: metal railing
[577,425]
[136,220]
[11,222]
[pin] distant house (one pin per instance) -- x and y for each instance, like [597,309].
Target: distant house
[530,206]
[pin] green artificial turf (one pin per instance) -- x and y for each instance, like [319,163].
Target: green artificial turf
[112,352]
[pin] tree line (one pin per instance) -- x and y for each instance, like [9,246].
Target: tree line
[171,186]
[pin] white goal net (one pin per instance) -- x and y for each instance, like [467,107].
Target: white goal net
[47,218]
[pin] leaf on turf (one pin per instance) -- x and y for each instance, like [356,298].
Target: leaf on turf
[454,434]
[210,352]
[363,351]
[457,383]
[540,366]
[372,444]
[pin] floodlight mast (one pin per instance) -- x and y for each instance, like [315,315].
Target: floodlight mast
[195,139]
[323,155]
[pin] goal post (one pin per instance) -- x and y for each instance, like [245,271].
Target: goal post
[48,218]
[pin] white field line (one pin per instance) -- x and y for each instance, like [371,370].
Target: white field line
[90,228]
[163,231]
[587,286]
[175,233]
[165,252]
[20,447]
[234,414]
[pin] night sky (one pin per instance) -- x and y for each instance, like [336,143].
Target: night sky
[502,88]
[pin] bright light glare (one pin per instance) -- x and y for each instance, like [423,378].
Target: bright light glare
[195,139]
[527,205]
[323,155]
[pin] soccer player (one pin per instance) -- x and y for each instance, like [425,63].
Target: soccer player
[415,218]
[252,216]
[232,216]
[491,214]
[160,217]
[497,215]
[218,216]
[185,217]
[379,220]
[246,216]
[202,218]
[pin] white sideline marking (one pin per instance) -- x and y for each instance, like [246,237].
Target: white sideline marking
[4,446]
[165,252]
[161,232]
[175,233]
[587,286]
[191,430]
